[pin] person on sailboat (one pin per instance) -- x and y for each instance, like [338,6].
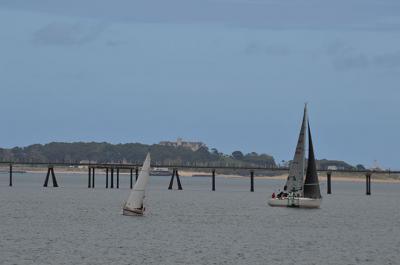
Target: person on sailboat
[283,194]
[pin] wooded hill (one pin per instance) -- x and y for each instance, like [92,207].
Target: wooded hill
[129,153]
[135,153]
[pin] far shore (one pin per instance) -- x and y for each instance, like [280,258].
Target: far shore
[341,177]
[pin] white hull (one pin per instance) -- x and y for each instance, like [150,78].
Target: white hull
[295,202]
[133,212]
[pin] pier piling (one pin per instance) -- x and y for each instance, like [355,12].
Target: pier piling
[89,177]
[131,179]
[117,178]
[178,180]
[107,178]
[53,177]
[368,183]
[137,173]
[251,181]
[93,177]
[328,181]
[11,175]
[171,182]
[213,180]
[112,178]
[50,170]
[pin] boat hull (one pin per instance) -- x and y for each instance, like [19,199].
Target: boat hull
[295,202]
[132,212]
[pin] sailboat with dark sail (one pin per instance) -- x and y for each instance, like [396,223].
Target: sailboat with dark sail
[302,186]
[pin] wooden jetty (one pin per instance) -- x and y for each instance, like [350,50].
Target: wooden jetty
[113,169]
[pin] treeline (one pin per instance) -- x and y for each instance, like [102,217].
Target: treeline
[58,152]
[77,152]
[325,164]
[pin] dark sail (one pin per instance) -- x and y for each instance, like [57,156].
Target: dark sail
[311,184]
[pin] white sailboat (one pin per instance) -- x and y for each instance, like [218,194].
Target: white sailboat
[300,192]
[134,204]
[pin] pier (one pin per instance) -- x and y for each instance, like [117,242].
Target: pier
[112,169]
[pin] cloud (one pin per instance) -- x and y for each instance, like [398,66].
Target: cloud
[297,14]
[339,48]
[345,57]
[270,49]
[387,60]
[66,34]
[355,61]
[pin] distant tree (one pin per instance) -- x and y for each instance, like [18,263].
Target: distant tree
[131,152]
[360,167]
[237,155]
[252,154]
[214,151]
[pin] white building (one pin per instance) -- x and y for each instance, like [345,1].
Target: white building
[194,146]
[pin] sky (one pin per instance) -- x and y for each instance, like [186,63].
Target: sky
[234,74]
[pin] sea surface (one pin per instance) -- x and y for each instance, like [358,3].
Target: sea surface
[76,225]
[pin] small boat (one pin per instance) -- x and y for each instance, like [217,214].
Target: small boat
[299,191]
[134,204]
[160,171]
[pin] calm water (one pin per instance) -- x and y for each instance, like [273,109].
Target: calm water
[75,225]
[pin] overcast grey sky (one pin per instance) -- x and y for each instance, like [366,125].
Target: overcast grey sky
[232,73]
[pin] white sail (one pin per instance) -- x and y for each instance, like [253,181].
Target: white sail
[295,179]
[135,200]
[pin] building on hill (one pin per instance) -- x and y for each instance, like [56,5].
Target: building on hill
[194,146]
[325,164]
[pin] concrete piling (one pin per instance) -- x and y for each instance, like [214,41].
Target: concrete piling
[11,175]
[131,179]
[112,178]
[251,181]
[171,182]
[93,177]
[328,181]
[50,170]
[117,178]
[89,177]
[368,183]
[178,180]
[213,180]
[107,178]
[53,177]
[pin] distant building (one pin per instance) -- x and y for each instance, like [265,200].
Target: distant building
[86,162]
[376,166]
[325,164]
[194,146]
